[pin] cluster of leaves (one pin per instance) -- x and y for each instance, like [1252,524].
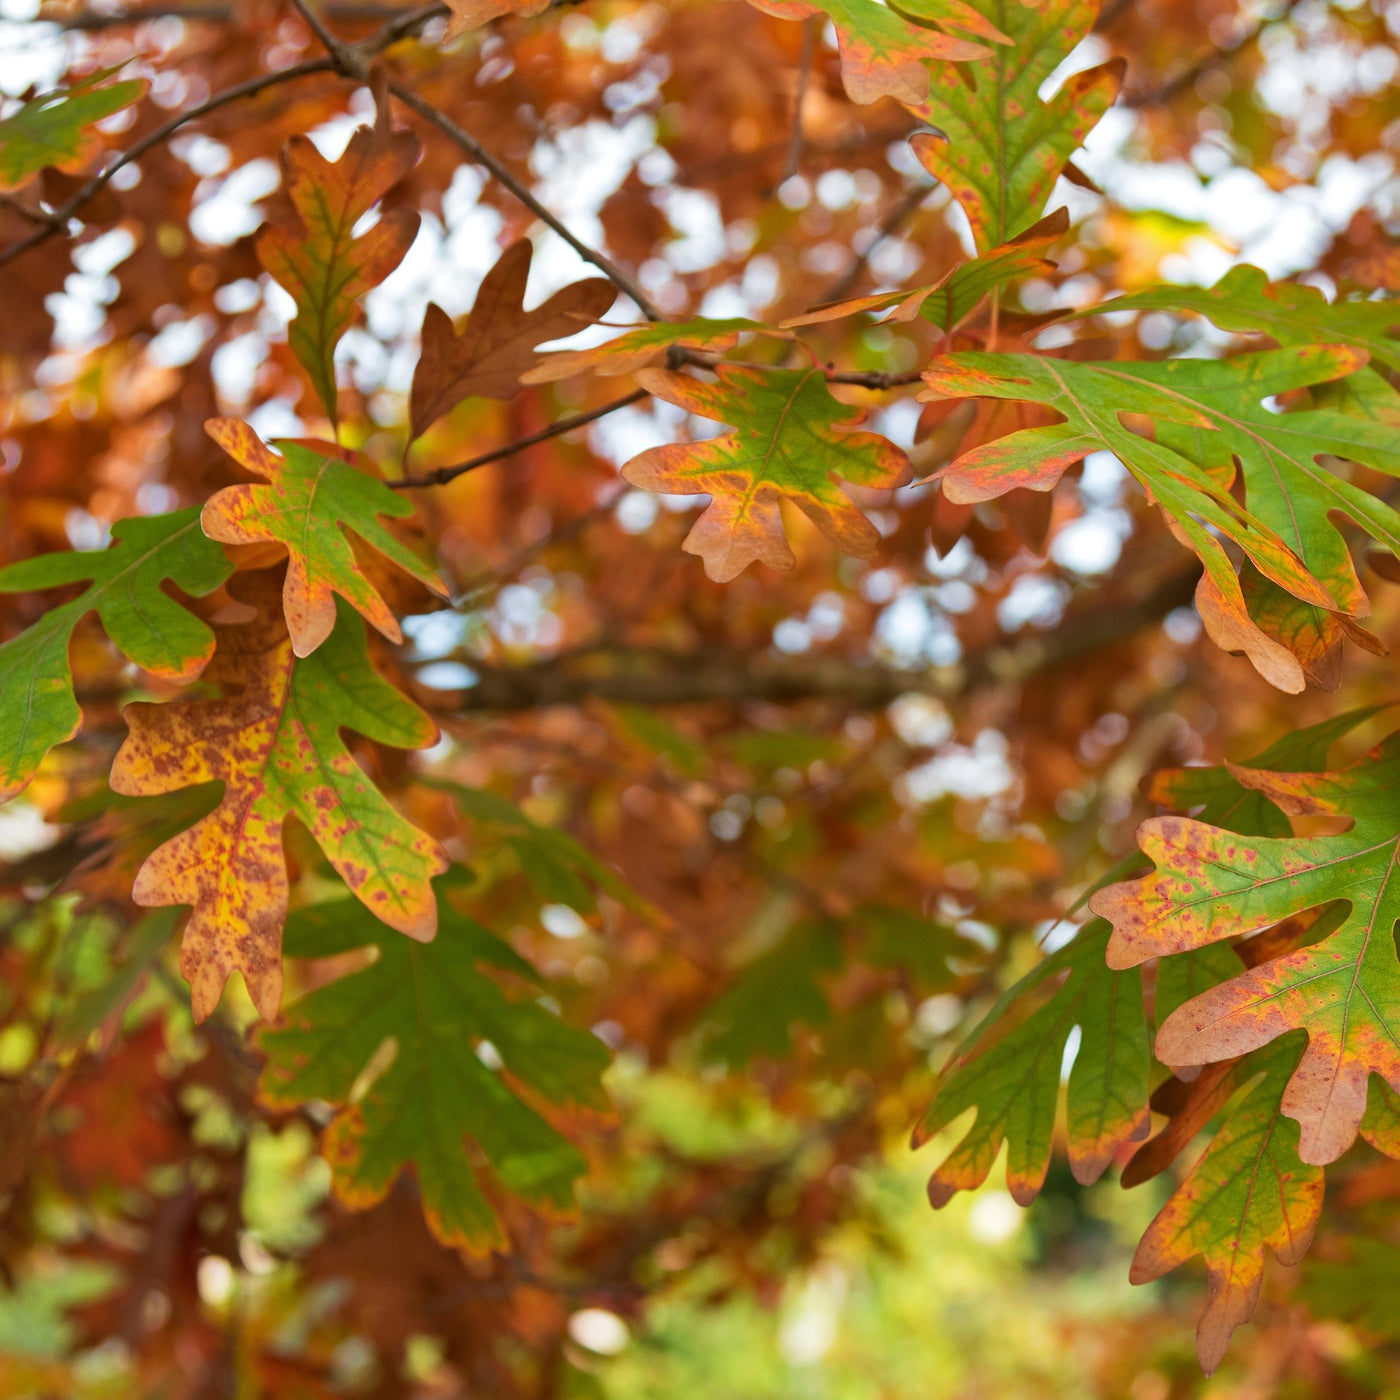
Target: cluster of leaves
[258,787]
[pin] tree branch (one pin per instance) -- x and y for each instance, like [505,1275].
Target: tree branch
[468,143]
[57,222]
[659,677]
[442,475]
[804,75]
[892,222]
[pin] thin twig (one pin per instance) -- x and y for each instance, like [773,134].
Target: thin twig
[890,225]
[804,75]
[58,221]
[482,156]
[565,425]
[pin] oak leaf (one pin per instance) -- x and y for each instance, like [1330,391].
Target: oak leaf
[37,705]
[57,129]
[1344,991]
[323,265]
[1248,1192]
[999,147]
[1210,419]
[790,442]
[468,1062]
[272,737]
[312,497]
[952,299]
[1009,1070]
[884,50]
[496,347]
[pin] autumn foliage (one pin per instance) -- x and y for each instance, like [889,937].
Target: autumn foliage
[613,611]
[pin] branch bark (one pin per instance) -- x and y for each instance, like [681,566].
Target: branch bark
[658,677]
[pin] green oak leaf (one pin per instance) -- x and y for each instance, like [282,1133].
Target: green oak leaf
[1211,418]
[56,128]
[999,147]
[1008,1069]
[37,706]
[444,1096]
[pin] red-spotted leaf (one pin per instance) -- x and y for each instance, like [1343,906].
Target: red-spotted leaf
[883,54]
[457,1035]
[1009,1070]
[272,737]
[1343,990]
[313,496]
[1001,147]
[323,265]
[495,348]
[37,705]
[791,442]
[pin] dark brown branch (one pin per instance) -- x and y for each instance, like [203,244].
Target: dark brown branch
[57,222]
[893,221]
[468,143]
[442,475]
[659,677]
[804,76]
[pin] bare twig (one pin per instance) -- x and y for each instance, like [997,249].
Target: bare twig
[482,156]
[442,475]
[804,75]
[893,221]
[58,221]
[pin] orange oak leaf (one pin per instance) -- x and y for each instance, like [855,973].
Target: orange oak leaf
[472,14]
[885,54]
[323,265]
[497,344]
[790,442]
[272,737]
[314,495]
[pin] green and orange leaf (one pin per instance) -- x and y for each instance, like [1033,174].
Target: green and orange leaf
[953,298]
[323,265]
[1343,990]
[315,493]
[884,54]
[999,148]
[469,1061]
[57,129]
[37,706]
[791,441]
[1211,419]
[1009,1070]
[272,737]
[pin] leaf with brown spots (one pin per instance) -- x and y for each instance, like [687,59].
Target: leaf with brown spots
[272,738]
[465,1051]
[1212,420]
[999,148]
[314,494]
[324,266]
[1344,990]
[496,347]
[791,442]
[1009,1070]
[885,50]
